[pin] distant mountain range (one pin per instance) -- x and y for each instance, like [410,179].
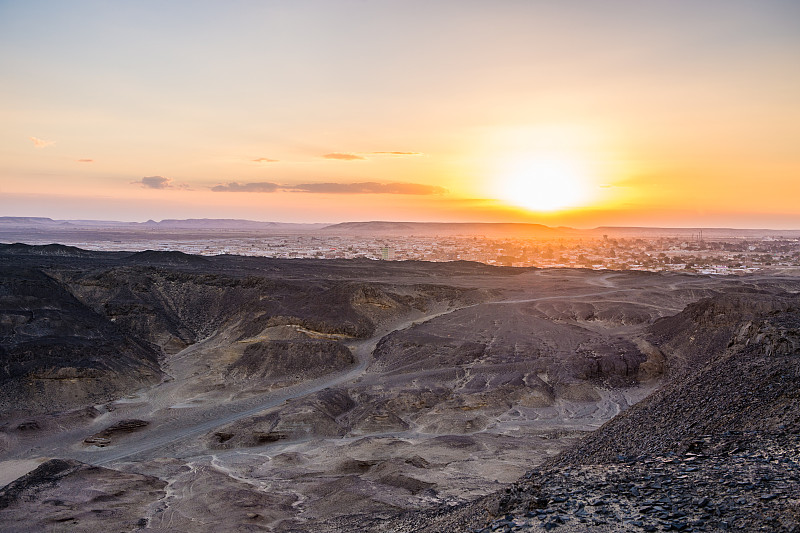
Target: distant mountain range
[494,229]
[489,229]
[191,223]
[447,228]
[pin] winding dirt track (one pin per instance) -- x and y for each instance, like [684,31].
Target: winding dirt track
[168,437]
[143,445]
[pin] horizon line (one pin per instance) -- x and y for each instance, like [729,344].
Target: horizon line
[321,225]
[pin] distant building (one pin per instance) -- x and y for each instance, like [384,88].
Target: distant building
[387,253]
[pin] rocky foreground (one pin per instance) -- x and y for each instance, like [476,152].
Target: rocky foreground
[737,481]
[715,449]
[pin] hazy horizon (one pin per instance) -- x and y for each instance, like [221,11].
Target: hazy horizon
[572,114]
[99,223]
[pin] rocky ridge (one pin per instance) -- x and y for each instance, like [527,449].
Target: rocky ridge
[715,449]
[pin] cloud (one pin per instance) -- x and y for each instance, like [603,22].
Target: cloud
[261,186]
[40,143]
[154,182]
[344,157]
[356,157]
[85,160]
[264,160]
[367,187]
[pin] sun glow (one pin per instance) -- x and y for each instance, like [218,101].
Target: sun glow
[545,183]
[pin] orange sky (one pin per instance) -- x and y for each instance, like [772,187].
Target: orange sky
[564,113]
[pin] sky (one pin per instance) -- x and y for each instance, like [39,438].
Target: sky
[671,113]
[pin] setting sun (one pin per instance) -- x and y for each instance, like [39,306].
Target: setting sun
[545,183]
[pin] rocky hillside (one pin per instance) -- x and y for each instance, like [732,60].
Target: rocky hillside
[56,353]
[66,495]
[717,448]
[79,328]
[742,355]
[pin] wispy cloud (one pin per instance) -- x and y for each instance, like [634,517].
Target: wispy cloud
[344,157]
[261,186]
[349,156]
[159,182]
[41,143]
[265,160]
[367,187]
[154,182]
[85,160]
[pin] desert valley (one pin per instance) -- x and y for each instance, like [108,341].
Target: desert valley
[162,391]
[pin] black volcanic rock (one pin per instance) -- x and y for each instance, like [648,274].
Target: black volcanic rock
[83,327]
[738,482]
[717,448]
[321,414]
[69,495]
[176,308]
[56,352]
[501,354]
[53,250]
[279,359]
[105,437]
[152,257]
[739,371]
[705,328]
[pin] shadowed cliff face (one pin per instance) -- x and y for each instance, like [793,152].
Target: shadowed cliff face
[55,353]
[174,309]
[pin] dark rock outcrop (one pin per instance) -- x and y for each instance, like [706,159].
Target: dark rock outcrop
[716,448]
[56,353]
[66,494]
[323,414]
[738,369]
[80,327]
[107,436]
[273,360]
